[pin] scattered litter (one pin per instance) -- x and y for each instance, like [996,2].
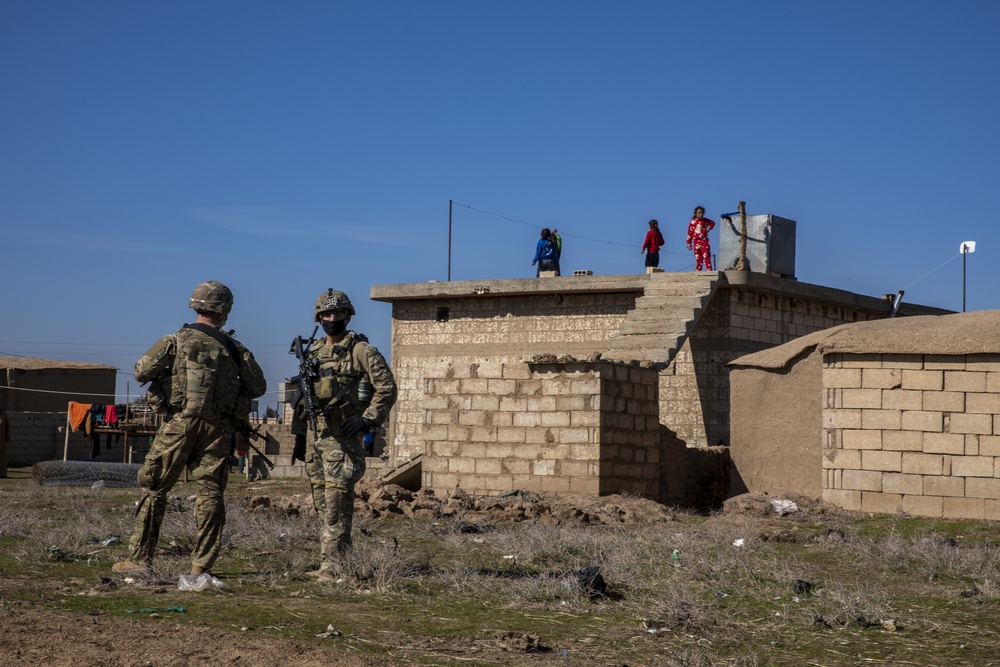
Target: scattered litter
[98,485]
[510,494]
[721,595]
[179,610]
[330,632]
[971,593]
[111,541]
[738,542]
[796,598]
[201,582]
[590,581]
[652,627]
[783,507]
[802,587]
[475,528]
[510,557]
[675,558]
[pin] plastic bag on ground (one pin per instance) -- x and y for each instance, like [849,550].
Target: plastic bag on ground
[201,582]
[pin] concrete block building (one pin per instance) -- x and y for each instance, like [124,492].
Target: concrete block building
[589,383]
[898,416]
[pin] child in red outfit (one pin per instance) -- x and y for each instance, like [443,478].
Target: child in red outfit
[697,236]
[653,243]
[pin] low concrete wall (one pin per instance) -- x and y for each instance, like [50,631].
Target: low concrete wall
[913,434]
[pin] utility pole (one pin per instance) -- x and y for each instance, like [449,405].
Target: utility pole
[449,240]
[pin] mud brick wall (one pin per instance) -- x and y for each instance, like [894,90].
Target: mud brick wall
[694,388]
[913,434]
[491,427]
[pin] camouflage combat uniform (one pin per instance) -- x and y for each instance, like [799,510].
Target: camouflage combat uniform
[203,392]
[337,461]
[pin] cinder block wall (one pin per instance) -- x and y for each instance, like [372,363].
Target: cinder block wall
[487,333]
[41,436]
[694,388]
[912,434]
[550,428]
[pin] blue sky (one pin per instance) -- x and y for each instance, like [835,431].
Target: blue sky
[284,148]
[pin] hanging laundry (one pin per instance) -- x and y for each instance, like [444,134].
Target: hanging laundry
[111,414]
[78,414]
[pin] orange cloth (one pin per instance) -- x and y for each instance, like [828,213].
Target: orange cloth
[77,413]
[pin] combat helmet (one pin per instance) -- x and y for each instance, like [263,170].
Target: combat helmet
[331,299]
[212,297]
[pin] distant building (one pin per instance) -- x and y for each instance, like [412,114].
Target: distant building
[46,385]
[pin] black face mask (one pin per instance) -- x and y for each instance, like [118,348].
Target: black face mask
[334,327]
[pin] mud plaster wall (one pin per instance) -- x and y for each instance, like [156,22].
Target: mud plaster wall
[695,387]
[914,434]
[551,428]
[777,421]
[51,389]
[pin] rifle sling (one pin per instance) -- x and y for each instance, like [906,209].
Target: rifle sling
[226,341]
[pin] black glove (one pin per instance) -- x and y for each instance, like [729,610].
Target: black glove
[299,452]
[355,424]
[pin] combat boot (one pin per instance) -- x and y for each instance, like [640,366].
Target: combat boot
[128,567]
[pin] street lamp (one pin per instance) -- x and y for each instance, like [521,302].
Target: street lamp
[967,247]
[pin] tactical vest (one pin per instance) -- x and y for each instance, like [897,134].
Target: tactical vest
[340,366]
[205,381]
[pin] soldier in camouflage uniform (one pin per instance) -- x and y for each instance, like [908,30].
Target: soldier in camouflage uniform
[202,382]
[336,454]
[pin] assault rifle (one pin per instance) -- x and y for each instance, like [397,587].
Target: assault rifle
[250,434]
[308,373]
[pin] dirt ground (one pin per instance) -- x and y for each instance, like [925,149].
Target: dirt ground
[29,635]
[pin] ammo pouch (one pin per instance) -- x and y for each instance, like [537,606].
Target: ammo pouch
[338,412]
[156,399]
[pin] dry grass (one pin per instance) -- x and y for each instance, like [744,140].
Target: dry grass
[788,595]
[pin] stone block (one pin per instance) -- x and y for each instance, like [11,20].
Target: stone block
[459,465]
[923,380]
[964,508]
[833,418]
[972,466]
[847,459]
[881,503]
[981,487]
[882,460]
[944,401]
[881,378]
[842,378]
[982,403]
[989,445]
[555,419]
[862,398]
[944,486]
[922,420]
[859,439]
[528,419]
[907,485]
[922,464]
[861,480]
[902,399]
[969,423]
[881,419]
[928,506]
[903,441]
[974,381]
[845,499]
[944,443]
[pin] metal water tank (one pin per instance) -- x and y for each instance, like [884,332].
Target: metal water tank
[770,244]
